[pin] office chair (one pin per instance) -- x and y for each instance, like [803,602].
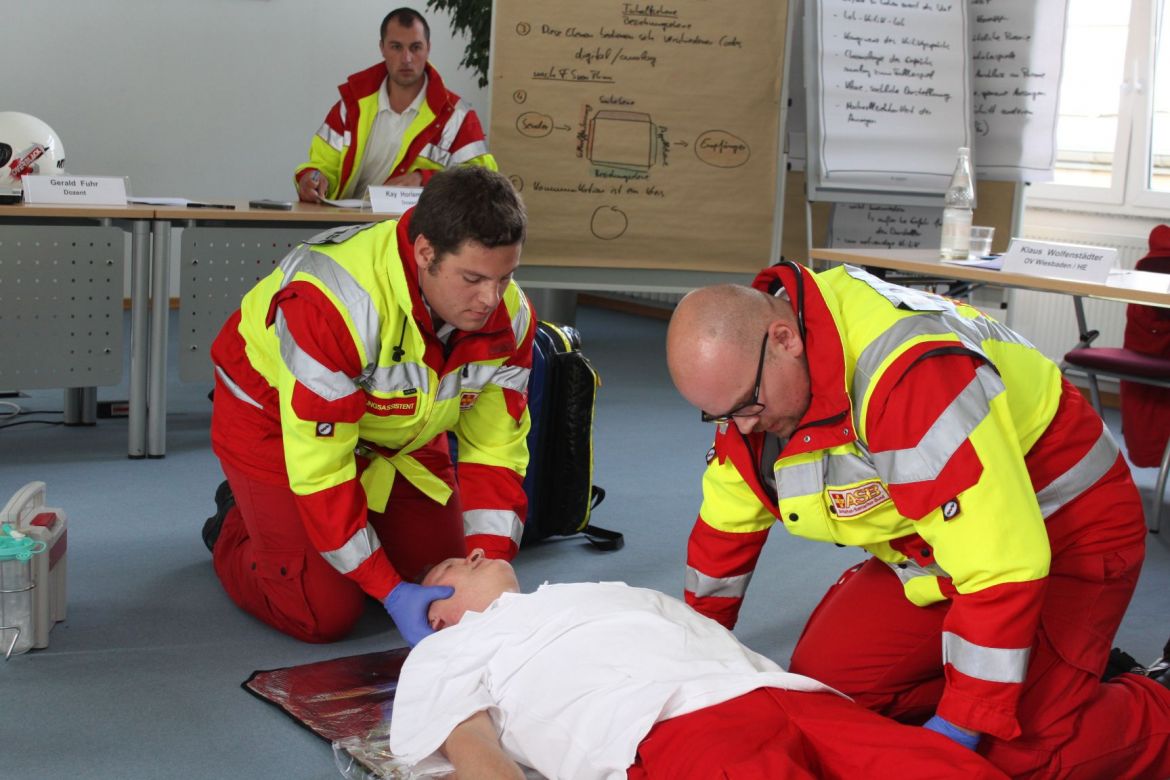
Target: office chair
[1143,366]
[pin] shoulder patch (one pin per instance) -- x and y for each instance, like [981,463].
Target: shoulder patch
[859,499]
[339,234]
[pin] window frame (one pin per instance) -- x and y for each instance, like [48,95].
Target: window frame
[1128,192]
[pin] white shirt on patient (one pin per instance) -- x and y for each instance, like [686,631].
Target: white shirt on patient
[574,676]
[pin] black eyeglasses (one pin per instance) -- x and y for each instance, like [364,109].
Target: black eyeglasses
[748,408]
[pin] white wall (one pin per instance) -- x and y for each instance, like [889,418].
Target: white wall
[197,98]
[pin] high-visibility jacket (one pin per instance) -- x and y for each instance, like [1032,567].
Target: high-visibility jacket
[335,376]
[930,442]
[445,133]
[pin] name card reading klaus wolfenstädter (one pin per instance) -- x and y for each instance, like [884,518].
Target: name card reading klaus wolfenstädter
[393,200]
[1063,261]
[75,190]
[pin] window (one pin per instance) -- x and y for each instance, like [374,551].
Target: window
[1113,130]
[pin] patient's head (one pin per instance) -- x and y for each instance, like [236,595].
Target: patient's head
[477,580]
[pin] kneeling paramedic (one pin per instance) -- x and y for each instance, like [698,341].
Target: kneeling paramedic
[337,382]
[1005,530]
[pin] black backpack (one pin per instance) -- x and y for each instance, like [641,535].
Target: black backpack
[562,389]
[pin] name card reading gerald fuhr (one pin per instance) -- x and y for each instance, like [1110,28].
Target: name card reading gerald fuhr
[75,190]
[393,200]
[1063,261]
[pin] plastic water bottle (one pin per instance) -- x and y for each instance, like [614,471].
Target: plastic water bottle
[958,207]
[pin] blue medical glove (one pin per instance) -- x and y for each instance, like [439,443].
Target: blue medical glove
[408,604]
[950,730]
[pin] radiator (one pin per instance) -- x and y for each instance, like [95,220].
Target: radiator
[1049,321]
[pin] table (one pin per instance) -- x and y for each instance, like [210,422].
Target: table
[1124,286]
[61,292]
[223,254]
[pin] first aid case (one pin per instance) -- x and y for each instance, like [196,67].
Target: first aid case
[32,599]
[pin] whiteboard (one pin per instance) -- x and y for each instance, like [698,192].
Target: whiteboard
[889,91]
[1017,50]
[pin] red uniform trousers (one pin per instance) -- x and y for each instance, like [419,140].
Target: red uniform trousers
[867,640]
[271,570]
[774,734]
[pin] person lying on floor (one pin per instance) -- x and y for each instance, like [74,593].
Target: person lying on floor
[604,680]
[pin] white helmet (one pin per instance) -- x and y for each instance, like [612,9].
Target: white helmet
[27,146]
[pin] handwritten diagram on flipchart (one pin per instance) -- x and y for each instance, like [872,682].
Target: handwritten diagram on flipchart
[641,134]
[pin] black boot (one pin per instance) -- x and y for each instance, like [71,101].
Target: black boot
[224,500]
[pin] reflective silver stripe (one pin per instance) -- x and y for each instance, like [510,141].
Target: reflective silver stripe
[354,552]
[474,376]
[1083,475]
[908,570]
[235,389]
[454,124]
[849,469]
[449,387]
[521,319]
[330,385]
[512,378]
[335,139]
[805,479]
[924,461]
[345,288]
[876,352]
[725,587]
[494,522]
[993,664]
[436,155]
[396,378]
[468,152]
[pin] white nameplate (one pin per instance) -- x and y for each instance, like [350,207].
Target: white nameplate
[393,200]
[1062,261]
[70,190]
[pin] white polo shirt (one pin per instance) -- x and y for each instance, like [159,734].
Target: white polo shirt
[574,676]
[385,140]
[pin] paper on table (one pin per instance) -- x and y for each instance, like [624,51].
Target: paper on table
[345,203]
[992,262]
[160,201]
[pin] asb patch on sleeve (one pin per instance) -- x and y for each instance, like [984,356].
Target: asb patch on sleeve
[951,509]
[853,501]
[324,430]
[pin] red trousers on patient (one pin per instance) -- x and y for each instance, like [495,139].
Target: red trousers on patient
[271,570]
[772,734]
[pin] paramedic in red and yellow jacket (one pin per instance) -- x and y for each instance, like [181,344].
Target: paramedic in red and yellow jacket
[336,384]
[1006,533]
[395,124]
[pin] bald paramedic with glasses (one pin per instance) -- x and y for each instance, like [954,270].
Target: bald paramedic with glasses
[1005,530]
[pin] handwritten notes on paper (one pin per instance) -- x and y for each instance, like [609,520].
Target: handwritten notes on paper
[1016,47]
[885,226]
[641,134]
[892,92]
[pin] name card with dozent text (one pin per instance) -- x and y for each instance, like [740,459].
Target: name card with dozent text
[1062,261]
[75,190]
[393,200]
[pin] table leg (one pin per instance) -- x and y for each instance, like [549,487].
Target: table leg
[139,335]
[160,290]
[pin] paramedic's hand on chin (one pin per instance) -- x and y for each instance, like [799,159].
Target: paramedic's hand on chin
[408,604]
[968,739]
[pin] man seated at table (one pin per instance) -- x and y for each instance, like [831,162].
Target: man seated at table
[395,124]
[600,679]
